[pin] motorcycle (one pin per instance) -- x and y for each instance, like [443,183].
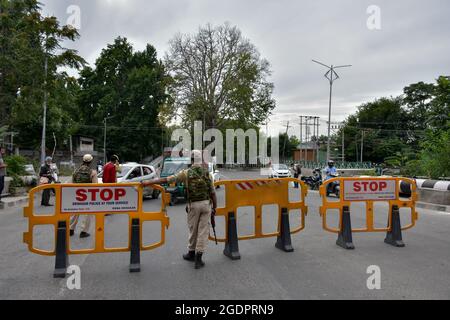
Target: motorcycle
[315,181]
[334,187]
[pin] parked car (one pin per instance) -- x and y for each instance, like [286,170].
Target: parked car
[280,171]
[134,172]
[215,174]
[172,166]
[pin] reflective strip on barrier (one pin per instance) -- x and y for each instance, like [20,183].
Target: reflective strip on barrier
[106,199]
[259,193]
[369,190]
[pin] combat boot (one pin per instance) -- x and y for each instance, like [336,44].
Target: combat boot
[190,256]
[198,261]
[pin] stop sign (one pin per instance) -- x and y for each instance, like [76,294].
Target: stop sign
[377,190]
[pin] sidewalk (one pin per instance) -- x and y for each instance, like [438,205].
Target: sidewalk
[12,202]
[21,201]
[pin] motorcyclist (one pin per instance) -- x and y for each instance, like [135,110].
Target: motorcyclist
[331,170]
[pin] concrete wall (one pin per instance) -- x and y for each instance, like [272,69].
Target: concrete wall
[434,196]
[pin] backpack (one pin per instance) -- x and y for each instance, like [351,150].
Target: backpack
[82,175]
[198,184]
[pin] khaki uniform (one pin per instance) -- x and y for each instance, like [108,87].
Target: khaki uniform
[198,216]
[86,220]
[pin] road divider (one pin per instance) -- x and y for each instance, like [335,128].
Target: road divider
[369,191]
[259,193]
[97,200]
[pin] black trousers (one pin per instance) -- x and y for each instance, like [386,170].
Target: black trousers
[2,185]
[45,197]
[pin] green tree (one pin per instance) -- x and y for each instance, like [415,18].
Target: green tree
[128,88]
[27,41]
[219,77]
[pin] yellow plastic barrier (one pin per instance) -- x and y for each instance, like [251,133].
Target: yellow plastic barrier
[259,193]
[97,200]
[369,190]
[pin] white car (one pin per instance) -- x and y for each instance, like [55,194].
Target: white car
[280,171]
[134,172]
[215,174]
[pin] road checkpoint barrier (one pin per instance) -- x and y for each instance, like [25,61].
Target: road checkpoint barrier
[259,193]
[97,200]
[369,191]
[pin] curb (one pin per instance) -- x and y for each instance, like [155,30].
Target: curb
[12,204]
[432,206]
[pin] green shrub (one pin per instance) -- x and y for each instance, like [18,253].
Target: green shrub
[16,165]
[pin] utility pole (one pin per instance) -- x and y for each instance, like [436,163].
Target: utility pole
[285,141]
[332,76]
[44,119]
[362,145]
[104,138]
[301,138]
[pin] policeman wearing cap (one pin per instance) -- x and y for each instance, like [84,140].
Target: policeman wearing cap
[84,174]
[202,203]
[46,176]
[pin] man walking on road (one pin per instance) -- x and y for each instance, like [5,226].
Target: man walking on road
[200,194]
[109,170]
[84,174]
[2,172]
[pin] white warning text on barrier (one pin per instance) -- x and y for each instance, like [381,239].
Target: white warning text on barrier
[374,190]
[99,199]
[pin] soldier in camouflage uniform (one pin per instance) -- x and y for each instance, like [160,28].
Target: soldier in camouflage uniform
[84,174]
[201,194]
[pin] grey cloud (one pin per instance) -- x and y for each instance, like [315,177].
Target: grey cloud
[411,46]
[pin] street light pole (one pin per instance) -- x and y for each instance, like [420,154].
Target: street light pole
[104,138]
[332,76]
[44,120]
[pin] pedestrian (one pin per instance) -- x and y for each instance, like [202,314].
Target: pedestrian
[84,174]
[3,166]
[297,174]
[46,177]
[200,195]
[110,170]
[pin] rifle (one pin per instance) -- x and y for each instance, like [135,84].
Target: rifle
[213,224]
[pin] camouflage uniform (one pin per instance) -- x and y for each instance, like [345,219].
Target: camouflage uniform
[199,187]
[82,175]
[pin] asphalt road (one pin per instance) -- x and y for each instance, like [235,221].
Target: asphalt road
[318,269]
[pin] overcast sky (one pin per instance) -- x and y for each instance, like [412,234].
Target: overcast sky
[412,45]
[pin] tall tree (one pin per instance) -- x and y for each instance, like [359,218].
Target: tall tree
[127,88]
[27,41]
[219,77]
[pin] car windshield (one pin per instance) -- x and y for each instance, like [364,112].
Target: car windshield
[280,167]
[173,167]
[123,171]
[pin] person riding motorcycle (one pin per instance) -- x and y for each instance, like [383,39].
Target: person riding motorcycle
[331,172]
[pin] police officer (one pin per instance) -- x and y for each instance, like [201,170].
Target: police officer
[84,174]
[46,172]
[201,194]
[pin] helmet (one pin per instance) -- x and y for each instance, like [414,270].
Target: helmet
[331,163]
[48,159]
[88,158]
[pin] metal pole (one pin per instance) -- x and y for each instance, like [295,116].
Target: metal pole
[362,146]
[329,116]
[104,144]
[343,145]
[44,120]
[301,138]
[71,152]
